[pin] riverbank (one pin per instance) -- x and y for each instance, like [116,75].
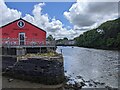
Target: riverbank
[17,84]
[101,48]
[79,83]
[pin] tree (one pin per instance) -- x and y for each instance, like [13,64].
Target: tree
[65,38]
[110,38]
[110,42]
[50,38]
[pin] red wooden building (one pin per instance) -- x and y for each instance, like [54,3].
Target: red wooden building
[22,33]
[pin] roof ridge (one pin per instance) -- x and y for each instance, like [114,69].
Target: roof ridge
[23,20]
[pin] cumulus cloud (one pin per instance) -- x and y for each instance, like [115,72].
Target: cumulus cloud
[83,16]
[52,26]
[7,14]
[91,14]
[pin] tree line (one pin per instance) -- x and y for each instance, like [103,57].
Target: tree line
[106,36]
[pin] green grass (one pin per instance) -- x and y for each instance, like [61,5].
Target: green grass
[49,54]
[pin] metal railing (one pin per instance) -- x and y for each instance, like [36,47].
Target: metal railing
[26,42]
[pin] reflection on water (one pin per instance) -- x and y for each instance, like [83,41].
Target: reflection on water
[98,65]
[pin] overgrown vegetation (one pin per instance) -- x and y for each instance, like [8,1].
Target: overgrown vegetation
[49,54]
[106,36]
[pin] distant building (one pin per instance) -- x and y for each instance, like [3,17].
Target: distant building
[65,42]
[71,42]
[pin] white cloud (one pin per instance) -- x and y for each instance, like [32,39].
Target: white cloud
[52,26]
[7,14]
[83,15]
[91,14]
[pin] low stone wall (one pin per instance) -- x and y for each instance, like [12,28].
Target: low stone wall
[8,61]
[8,51]
[39,70]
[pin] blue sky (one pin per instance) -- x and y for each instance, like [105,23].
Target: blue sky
[53,9]
[78,16]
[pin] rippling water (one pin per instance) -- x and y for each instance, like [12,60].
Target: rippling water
[95,64]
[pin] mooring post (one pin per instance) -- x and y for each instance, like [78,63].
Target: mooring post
[61,51]
[40,50]
[20,52]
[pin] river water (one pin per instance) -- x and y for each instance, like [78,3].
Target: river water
[91,64]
